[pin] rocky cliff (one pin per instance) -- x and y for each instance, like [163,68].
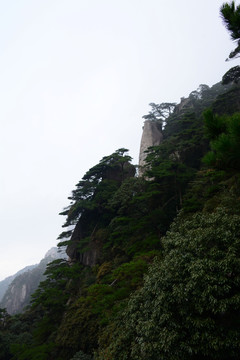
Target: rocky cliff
[19,291]
[7,281]
[151,136]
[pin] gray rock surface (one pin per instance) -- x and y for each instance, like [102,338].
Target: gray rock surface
[19,291]
[7,281]
[151,136]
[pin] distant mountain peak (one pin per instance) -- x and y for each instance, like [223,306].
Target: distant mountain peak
[53,253]
[16,290]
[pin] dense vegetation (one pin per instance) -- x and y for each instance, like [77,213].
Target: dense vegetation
[155,260]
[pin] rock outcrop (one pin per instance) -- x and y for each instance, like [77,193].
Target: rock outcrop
[151,136]
[7,281]
[19,292]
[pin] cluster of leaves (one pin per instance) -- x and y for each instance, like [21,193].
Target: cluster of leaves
[40,322]
[224,135]
[231,17]
[232,75]
[95,188]
[173,317]
[14,330]
[99,303]
[81,356]
[188,307]
[160,112]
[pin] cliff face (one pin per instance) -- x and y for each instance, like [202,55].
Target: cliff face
[19,291]
[151,136]
[6,282]
[91,255]
[21,288]
[90,306]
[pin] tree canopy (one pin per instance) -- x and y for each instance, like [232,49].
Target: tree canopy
[160,112]
[188,307]
[163,282]
[232,75]
[94,189]
[230,14]
[224,134]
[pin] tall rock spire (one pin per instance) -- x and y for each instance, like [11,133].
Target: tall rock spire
[151,136]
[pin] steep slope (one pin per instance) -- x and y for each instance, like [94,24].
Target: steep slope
[25,282]
[188,307]
[117,224]
[7,281]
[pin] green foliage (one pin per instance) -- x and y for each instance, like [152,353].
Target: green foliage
[95,188]
[190,298]
[79,328]
[101,303]
[231,18]
[160,112]
[189,305]
[81,356]
[232,75]
[224,132]
[228,102]
[13,329]
[45,314]
[214,124]
[170,177]
[4,318]
[212,188]
[24,352]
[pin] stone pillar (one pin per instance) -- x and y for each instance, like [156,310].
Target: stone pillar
[151,136]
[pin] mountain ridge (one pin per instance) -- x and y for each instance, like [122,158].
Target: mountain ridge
[143,248]
[17,289]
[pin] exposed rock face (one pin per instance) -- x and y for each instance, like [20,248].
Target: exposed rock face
[6,282]
[73,243]
[19,292]
[91,255]
[151,136]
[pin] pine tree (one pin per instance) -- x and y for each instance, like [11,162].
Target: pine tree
[230,14]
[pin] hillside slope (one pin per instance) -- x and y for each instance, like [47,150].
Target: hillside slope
[177,225]
[7,281]
[22,285]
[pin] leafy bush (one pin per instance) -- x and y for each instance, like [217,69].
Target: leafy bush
[189,306]
[224,132]
[81,356]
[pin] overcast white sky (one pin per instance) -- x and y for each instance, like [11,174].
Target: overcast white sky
[76,77]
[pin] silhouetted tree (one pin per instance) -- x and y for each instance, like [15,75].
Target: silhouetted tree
[230,14]
[160,112]
[231,75]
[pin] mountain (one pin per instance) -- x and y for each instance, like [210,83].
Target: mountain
[21,285]
[154,265]
[7,281]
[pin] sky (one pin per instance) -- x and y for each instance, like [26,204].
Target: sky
[76,77]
